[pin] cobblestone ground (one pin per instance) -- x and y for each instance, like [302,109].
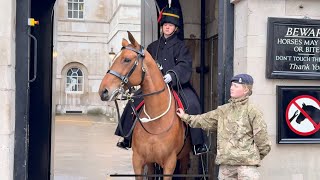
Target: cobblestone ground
[85,149]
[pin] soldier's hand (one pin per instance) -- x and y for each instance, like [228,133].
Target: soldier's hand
[180,112]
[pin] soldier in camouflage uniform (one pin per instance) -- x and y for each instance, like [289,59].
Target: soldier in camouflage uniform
[242,138]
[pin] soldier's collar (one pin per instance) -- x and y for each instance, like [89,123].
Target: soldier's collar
[241,100]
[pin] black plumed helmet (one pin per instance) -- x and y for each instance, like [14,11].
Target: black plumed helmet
[170,15]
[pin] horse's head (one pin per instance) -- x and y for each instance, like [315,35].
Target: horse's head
[308,109]
[301,117]
[126,71]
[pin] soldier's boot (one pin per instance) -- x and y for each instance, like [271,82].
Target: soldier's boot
[124,144]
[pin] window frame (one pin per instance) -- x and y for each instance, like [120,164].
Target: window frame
[77,81]
[72,10]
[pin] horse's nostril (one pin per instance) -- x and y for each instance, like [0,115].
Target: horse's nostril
[105,91]
[104,95]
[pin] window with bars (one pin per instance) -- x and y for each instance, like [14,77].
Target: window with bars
[75,9]
[74,83]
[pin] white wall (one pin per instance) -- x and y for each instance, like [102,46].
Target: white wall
[88,43]
[82,42]
[7,87]
[126,17]
[285,162]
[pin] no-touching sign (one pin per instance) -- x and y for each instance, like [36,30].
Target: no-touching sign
[303,115]
[298,114]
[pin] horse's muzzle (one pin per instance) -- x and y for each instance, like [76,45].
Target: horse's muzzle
[104,95]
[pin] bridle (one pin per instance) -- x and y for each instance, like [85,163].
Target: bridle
[125,78]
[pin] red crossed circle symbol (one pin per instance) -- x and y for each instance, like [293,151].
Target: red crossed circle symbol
[293,104]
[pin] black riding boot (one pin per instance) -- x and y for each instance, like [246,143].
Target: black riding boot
[124,144]
[198,141]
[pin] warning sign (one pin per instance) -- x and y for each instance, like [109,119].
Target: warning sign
[298,114]
[303,115]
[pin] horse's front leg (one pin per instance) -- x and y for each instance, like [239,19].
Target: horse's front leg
[184,165]
[169,166]
[138,165]
[150,170]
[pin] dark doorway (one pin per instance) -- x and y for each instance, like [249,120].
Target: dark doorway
[34,90]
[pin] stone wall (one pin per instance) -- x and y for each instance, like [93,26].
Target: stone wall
[7,87]
[86,44]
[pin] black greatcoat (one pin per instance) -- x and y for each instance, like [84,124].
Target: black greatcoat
[176,60]
[174,57]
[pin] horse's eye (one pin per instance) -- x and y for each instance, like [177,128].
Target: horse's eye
[127,60]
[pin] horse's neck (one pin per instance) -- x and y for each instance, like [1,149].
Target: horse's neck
[157,103]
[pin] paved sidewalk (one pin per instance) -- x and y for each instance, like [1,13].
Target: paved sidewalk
[85,149]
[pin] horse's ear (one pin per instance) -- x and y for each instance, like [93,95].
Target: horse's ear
[125,43]
[303,104]
[132,40]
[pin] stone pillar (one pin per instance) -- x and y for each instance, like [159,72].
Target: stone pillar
[7,87]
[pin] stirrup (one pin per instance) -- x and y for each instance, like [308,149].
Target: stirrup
[205,152]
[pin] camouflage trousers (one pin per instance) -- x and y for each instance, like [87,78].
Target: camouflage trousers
[227,172]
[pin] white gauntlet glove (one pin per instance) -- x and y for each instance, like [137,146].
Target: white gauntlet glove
[167,78]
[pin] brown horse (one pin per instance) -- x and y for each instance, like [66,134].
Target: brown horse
[161,139]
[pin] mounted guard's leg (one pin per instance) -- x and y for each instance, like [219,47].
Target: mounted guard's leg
[127,122]
[198,138]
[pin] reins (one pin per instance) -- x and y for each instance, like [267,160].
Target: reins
[141,121]
[157,117]
[120,125]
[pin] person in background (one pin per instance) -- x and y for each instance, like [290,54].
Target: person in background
[175,62]
[242,138]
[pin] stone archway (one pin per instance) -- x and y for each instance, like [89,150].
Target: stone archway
[73,87]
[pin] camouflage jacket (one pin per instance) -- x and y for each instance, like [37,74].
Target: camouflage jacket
[242,137]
